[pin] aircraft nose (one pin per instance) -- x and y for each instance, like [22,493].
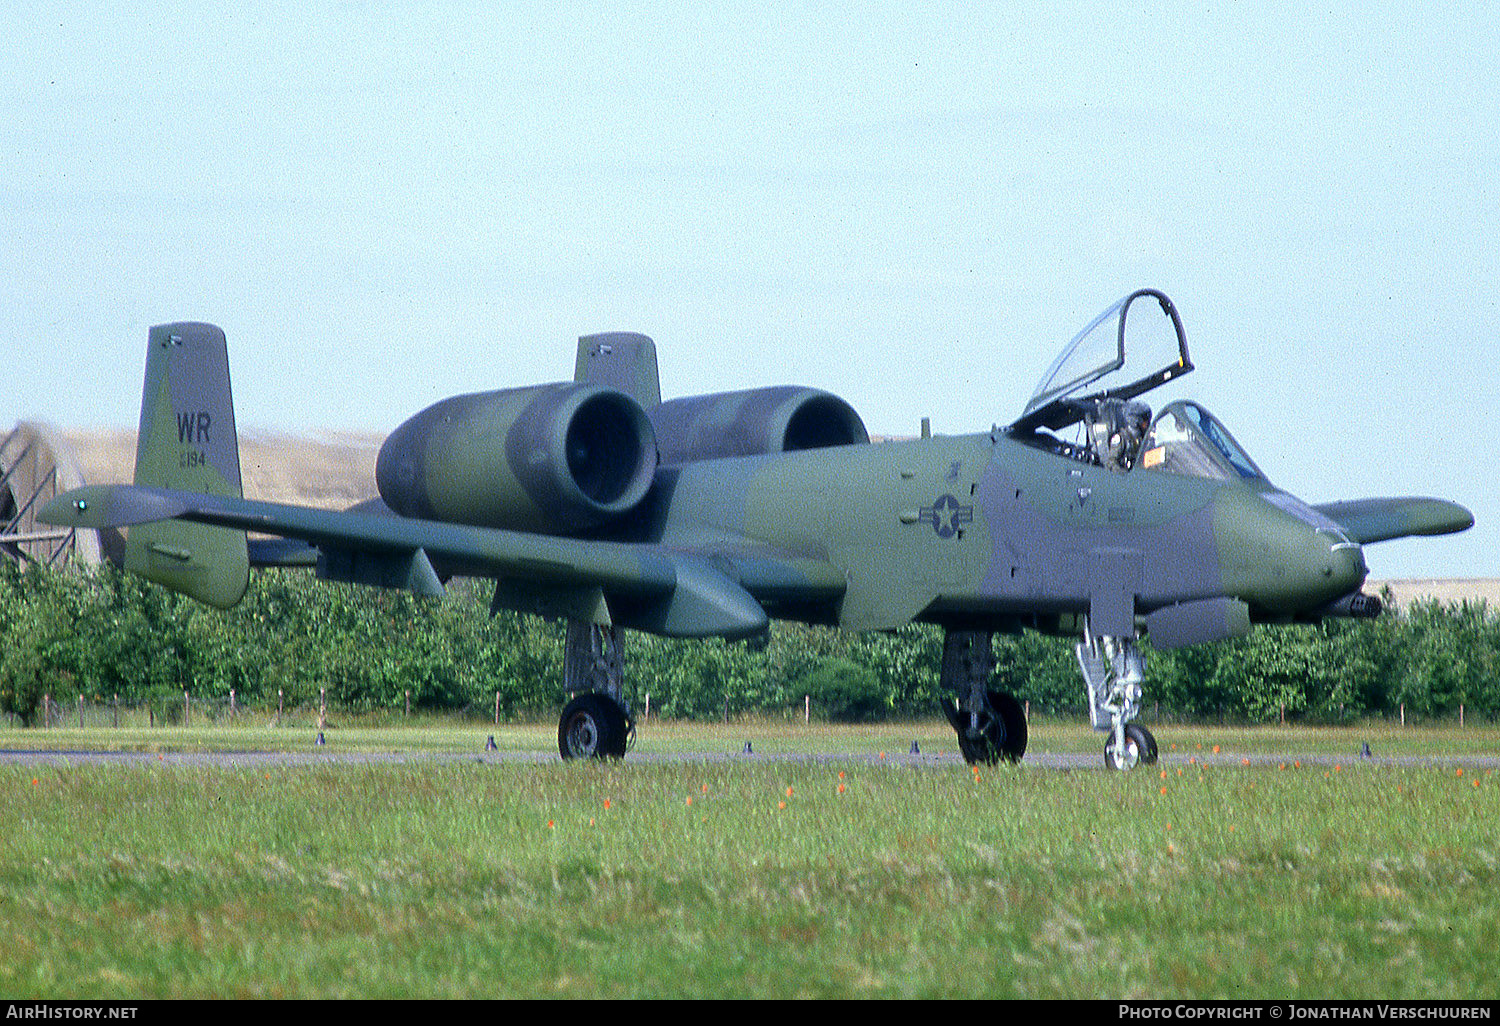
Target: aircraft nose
[1343,563]
[1280,556]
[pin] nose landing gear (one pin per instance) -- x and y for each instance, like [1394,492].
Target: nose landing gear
[1113,669]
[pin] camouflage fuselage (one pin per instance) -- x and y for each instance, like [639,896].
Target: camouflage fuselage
[988,531]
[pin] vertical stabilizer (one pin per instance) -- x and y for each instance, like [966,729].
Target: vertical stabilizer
[188,442]
[622,360]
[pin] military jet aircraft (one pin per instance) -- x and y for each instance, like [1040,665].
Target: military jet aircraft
[596,502]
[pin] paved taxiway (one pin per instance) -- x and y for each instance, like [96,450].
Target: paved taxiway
[1042,760]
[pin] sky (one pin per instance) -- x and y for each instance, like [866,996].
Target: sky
[913,205]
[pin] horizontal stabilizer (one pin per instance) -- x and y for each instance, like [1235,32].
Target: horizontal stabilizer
[269,552]
[1376,520]
[100,506]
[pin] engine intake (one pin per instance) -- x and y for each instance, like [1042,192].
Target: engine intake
[753,422]
[550,458]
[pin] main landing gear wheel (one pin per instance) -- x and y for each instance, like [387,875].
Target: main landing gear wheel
[1139,749]
[1003,736]
[593,727]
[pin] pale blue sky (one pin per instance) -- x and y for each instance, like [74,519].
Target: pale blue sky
[913,205]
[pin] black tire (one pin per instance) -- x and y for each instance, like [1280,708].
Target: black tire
[1148,746]
[1013,716]
[592,727]
[1004,738]
[1140,749]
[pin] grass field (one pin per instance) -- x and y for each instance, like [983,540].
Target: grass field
[845,876]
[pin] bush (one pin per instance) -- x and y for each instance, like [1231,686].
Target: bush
[845,692]
[94,633]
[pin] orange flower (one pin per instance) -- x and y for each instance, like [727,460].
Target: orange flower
[841,789]
[781,805]
[690,799]
[789,792]
[606,803]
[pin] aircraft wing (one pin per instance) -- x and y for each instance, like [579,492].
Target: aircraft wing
[675,592]
[1375,520]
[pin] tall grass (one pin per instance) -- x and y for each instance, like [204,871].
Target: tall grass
[838,877]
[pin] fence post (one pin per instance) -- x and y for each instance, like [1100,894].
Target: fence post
[648,708]
[117,710]
[47,710]
[806,708]
[187,709]
[1460,715]
[322,709]
[497,708]
[231,701]
[279,696]
[408,702]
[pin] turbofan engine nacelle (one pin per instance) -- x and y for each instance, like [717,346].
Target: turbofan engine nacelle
[550,458]
[754,422]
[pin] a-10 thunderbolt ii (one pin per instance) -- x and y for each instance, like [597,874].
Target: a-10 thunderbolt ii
[595,502]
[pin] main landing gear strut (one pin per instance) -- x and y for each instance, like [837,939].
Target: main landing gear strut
[1113,669]
[991,725]
[596,723]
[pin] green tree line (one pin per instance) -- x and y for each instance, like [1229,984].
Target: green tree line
[97,633]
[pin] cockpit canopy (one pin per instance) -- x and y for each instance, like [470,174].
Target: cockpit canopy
[1129,349]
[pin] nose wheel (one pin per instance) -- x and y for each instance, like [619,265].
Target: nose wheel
[1130,747]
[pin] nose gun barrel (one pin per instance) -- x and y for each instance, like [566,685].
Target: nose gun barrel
[1357,605]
